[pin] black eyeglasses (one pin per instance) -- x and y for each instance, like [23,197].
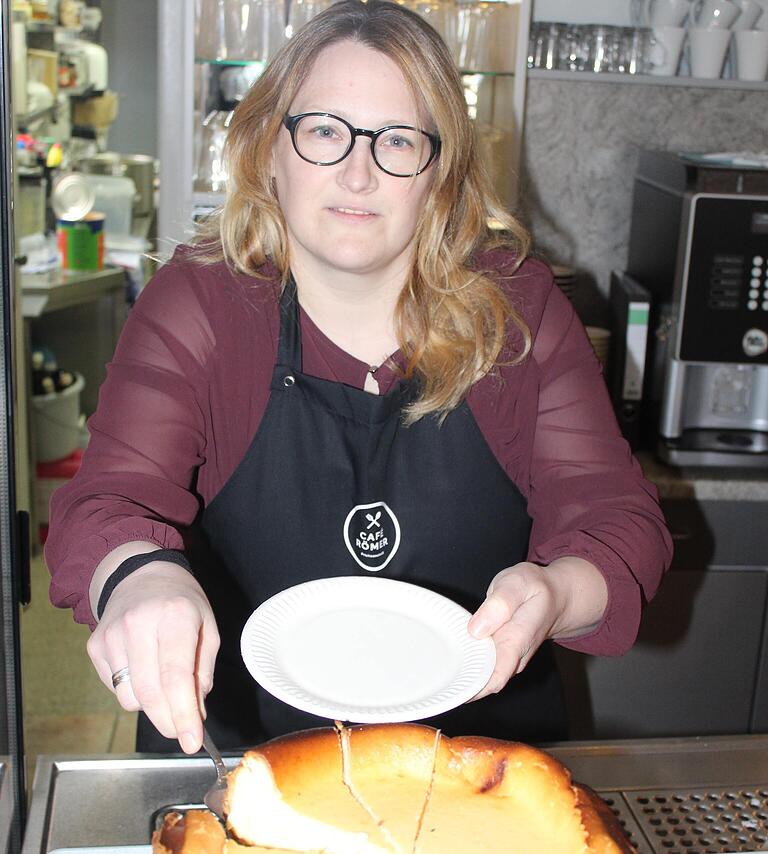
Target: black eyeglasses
[325,139]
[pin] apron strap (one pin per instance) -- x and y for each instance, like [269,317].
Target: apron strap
[289,346]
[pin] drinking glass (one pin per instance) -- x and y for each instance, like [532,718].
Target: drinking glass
[479,37]
[210,41]
[634,52]
[544,47]
[573,49]
[604,47]
[211,173]
[271,14]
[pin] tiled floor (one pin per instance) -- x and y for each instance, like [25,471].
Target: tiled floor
[67,710]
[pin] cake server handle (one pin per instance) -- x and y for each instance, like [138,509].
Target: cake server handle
[214,797]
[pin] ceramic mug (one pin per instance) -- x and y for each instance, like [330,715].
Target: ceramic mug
[762,21]
[717,14]
[751,54]
[659,13]
[667,13]
[708,49]
[750,12]
[665,54]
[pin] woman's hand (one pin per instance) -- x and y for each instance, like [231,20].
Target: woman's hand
[528,603]
[159,624]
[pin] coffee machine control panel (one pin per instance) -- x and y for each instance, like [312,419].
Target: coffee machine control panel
[724,296]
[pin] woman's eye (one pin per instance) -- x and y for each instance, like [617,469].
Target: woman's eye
[398,142]
[324,132]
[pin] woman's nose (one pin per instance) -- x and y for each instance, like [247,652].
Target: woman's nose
[358,171]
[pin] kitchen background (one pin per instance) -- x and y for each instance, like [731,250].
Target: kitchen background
[564,146]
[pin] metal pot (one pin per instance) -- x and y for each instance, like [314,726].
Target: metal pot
[106,163]
[141,168]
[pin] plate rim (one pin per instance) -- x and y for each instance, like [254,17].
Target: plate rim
[484,649]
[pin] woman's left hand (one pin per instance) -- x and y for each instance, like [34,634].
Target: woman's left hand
[528,603]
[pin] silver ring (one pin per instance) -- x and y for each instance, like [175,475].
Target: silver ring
[120,676]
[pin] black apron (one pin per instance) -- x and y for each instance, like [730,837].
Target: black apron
[326,459]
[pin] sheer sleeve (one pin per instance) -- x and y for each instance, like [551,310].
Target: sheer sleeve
[587,494]
[147,439]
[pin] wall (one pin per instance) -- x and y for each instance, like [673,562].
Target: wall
[129,34]
[580,151]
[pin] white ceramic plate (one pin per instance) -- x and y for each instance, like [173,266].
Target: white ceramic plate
[366,650]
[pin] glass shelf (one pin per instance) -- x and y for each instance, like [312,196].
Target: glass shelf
[225,63]
[465,72]
[229,63]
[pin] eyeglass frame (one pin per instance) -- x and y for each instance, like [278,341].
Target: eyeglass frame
[290,123]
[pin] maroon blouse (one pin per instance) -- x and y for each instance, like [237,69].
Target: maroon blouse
[189,384]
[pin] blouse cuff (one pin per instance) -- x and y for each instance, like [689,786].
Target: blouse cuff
[617,631]
[70,585]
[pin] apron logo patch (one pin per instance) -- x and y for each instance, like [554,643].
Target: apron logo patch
[372,535]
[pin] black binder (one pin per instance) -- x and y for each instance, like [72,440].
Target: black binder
[630,310]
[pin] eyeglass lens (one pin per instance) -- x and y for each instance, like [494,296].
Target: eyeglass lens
[324,139]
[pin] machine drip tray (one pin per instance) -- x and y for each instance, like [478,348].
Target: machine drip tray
[723,447]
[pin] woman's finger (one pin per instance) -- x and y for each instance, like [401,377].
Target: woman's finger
[495,611]
[96,652]
[207,650]
[141,644]
[178,638]
[516,642]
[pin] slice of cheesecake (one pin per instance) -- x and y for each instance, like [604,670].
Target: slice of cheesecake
[490,795]
[388,769]
[290,793]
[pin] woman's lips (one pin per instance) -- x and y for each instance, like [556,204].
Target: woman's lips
[353,214]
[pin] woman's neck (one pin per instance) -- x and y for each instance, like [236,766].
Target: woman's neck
[355,312]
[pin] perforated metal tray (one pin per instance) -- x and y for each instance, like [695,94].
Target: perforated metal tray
[733,819]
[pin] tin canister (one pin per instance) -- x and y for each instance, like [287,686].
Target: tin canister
[72,197]
[81,242]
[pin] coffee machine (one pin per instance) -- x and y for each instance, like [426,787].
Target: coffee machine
[699,246]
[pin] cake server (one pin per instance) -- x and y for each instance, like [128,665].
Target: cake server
[214,797]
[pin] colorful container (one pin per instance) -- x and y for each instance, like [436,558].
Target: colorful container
[81,242]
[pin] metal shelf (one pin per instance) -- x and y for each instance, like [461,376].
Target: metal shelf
[644,79]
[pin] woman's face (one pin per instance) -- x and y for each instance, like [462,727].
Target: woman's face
[351,217]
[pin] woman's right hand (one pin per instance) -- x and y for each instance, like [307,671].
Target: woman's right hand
[158,623]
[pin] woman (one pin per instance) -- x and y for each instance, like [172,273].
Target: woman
[348,332]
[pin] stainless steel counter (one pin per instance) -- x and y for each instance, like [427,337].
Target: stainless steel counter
[45,292]
[673,795]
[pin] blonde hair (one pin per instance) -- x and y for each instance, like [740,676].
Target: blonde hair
[452,321]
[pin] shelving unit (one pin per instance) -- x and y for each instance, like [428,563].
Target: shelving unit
[497,100]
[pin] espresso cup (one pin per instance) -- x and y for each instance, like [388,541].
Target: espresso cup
[751,54]
[750,12]
[664,55]
[708,49]
[717,15]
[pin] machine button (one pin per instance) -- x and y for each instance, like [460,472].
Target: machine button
[754,293]
[755,282]
[757,260]
[752,305]
[756,271]
[755,342]
[765,305]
